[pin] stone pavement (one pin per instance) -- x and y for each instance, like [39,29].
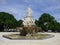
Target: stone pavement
[51,41]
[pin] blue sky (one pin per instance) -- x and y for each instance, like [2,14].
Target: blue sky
[18,7]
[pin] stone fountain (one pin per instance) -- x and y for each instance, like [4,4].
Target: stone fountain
[28,30]
[29,26]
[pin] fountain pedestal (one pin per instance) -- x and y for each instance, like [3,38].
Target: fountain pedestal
[29,26]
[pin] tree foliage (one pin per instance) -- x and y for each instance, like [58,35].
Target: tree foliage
[7,20]
[45,21]
[19,23]
[48,22]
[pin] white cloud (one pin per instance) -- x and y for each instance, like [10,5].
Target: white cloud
[13,11]
[3,1]
[18,13]
[57,16]
[38,7]
[52,8]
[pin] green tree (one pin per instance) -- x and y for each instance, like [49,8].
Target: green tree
[19,23]
[7,20]
[46,21]
[36,22]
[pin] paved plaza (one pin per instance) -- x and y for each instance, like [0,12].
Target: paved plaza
[51,41]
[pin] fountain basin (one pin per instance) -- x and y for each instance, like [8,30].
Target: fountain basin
[34,37]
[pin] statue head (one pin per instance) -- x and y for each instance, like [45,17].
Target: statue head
[29,11]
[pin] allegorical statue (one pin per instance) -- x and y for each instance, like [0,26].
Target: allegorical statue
[28,19]
[29,11]
[29,28]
